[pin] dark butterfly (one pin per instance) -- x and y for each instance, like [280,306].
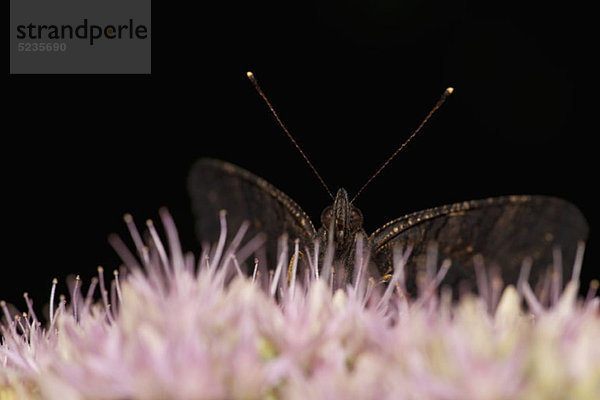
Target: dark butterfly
[505,230]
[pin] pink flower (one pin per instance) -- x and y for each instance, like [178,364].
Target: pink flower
[173,329]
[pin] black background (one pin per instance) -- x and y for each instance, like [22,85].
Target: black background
[350,79]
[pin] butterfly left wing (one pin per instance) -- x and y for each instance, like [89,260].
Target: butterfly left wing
[504,230]
[215,185]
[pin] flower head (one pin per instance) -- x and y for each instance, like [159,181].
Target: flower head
[174,328]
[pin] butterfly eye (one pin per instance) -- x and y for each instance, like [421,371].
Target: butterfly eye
[356,219]
[326,216]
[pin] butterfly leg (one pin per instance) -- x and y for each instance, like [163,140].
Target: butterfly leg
[301,256]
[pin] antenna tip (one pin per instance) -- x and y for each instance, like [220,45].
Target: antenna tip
[449,90]
[249,74]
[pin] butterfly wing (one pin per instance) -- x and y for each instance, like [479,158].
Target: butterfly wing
[504,230]
[215,185]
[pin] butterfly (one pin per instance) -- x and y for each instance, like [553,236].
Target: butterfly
[504,230]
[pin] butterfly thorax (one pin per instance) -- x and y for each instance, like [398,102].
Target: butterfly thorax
[341,223]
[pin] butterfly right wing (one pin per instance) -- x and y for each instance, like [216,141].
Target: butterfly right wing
[504,230]
[215,185]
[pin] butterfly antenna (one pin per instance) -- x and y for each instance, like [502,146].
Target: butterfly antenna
[262,94]
[439,103]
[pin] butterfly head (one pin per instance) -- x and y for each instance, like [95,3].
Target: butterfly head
[341,221]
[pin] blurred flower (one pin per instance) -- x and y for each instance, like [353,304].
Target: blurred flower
[171,329]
